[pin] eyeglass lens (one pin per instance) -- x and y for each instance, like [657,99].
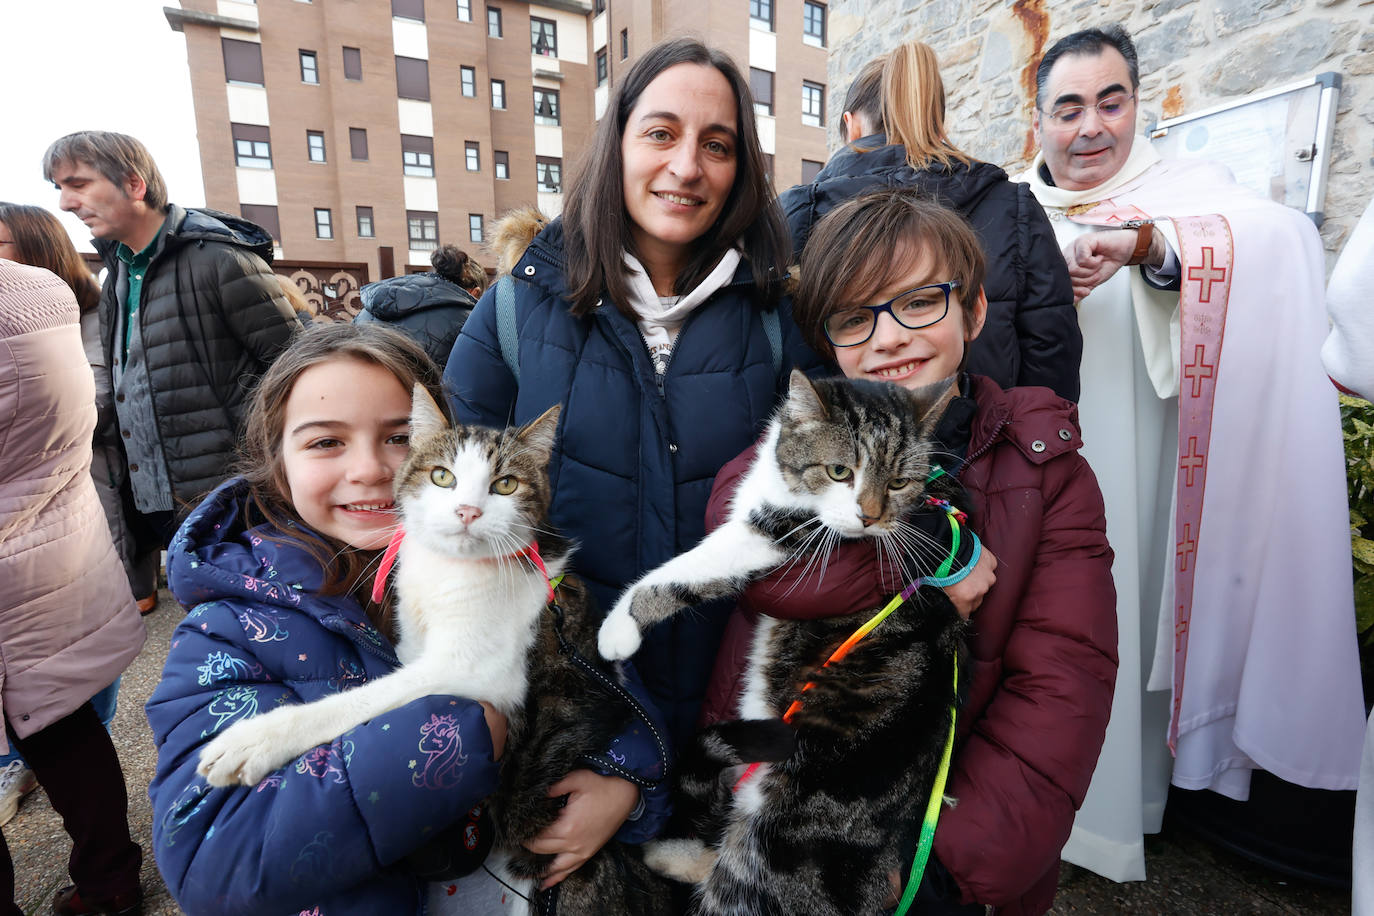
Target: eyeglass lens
[1108,109]
[913,309]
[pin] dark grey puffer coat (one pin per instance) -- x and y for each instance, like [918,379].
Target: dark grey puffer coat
[427,307]
[1031,336]
[213,318]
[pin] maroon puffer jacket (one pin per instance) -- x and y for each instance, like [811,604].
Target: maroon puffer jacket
[1043,647]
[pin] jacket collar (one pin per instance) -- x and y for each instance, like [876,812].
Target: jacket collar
[1038,423]
[183,226]
[544,264]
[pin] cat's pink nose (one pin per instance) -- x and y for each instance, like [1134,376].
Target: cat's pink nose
[469,514]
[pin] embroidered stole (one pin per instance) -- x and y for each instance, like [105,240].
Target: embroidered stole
[1206,259]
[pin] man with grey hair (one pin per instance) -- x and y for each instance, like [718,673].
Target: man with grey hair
[1210,589]
[190,315]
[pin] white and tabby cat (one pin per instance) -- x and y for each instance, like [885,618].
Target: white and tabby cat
[819,826]
[474,620]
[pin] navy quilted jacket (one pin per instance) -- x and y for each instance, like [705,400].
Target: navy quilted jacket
[633,465]
[1031,336]
[327,831]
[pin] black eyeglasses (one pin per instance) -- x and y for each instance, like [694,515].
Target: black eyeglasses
[1112,108]
[914,309]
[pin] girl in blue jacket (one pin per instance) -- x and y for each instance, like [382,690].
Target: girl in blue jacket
[653,311]
[276,567]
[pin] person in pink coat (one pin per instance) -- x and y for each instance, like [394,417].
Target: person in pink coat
[68,622]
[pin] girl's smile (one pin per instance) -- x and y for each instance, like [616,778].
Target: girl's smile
[345,434]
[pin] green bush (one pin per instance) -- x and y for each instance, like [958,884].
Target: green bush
[1357,427]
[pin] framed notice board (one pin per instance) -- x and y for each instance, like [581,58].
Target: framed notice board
[1277,142]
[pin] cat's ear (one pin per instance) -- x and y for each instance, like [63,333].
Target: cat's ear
[540,432]
[932,400]
[426,419]
[803,400]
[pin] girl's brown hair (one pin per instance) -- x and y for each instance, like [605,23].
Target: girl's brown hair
[914,107]
[261,464]
[906,95]
[41,241]
[865,244]
[596,225]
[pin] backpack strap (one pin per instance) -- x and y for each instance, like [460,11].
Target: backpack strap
[505,325]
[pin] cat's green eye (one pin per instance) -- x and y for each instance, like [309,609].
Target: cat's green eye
[838,472]
[899,483]
[443,477]
[505,486]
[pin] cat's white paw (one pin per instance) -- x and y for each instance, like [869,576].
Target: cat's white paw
[682,860]
[247,752]
[619,636]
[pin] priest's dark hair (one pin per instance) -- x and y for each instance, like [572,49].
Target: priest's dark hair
[596,224]
[1087,41]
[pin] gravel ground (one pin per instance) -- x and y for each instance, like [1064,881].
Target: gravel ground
[1187,876]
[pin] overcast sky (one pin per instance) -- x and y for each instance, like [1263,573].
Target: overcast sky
[93,64]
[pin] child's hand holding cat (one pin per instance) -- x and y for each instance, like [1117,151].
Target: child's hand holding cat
[967,594]
[596,807]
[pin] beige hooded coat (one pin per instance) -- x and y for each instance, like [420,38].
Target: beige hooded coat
[68,623]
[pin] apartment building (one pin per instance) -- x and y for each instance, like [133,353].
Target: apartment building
[348,127]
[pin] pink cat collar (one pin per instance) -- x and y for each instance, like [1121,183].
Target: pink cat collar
[389,560]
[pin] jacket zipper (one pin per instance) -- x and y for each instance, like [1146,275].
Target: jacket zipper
[341,626]
[982,449]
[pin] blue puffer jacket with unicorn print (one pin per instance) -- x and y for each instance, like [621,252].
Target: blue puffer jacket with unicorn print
[327,834]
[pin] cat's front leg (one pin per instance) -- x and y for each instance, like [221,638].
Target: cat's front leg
[720,565]
[252,748]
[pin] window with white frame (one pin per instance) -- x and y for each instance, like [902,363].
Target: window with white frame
[546,107]
[467,76]
[365,227]
[474,227]
[310,68]
[417,156]
[501,163]
[422,226]
[761,13]
[761,86]
[498,93]
[314,145]
[472,155]
[813,104]
[252,146]
[543,37]
[324,223]
[813,24]
[548,173]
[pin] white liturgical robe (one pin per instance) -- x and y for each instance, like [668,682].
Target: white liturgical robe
[1249,592]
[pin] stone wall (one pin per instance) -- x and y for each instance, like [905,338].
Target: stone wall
[1194,54]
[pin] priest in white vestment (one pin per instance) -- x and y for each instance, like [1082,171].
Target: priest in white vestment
[1237,639]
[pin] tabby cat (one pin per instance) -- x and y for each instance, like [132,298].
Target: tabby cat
[475,620]
[819,827]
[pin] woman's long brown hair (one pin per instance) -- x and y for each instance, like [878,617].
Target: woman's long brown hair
[41,241]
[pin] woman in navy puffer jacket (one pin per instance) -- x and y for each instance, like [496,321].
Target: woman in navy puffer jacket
[1031,336]
[651,311]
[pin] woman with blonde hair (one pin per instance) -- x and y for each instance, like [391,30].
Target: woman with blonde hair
[894,130]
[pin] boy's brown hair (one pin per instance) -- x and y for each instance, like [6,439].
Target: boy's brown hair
[862,245]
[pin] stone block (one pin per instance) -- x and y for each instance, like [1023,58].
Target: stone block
[1285,54]
[1231,16]
[997,56]
[1166,42]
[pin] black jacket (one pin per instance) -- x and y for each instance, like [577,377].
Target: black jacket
[1031,335]
[427,307]
[213,317]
